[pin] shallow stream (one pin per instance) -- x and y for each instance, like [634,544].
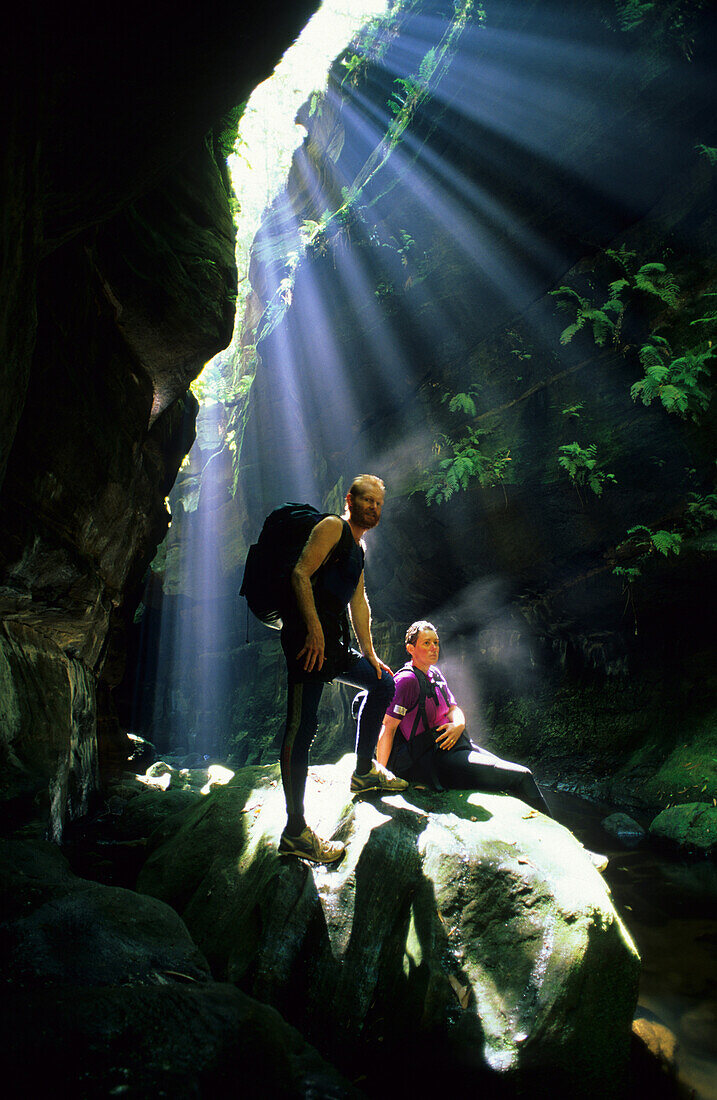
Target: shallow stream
[670,908]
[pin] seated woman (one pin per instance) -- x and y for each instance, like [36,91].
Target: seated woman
[432,746]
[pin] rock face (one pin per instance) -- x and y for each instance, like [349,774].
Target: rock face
[463,926]
[48,734]
[107,990]
[119,285]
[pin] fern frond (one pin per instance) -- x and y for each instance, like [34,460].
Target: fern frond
[462,402]
[567,292]
[655,279]
[621,256]
[603,328]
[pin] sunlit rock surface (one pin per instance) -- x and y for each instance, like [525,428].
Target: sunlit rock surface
[109,995]
[464,925]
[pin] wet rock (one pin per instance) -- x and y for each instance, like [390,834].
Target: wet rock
[624,828]
[151,808]
[195,1040]
[110,996]
[466,918]
[57,927]
[653,1066]
[660,1041]
[690,828]
[143,753]
[48,737]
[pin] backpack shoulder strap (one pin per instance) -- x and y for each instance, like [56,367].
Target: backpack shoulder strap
[423,690]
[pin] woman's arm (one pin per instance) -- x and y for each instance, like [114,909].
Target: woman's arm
[451,729]
[385,739]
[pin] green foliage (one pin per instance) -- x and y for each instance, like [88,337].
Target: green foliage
[708,151]
[651,278]
[462,402]
[228,130]
[642,543]
[573,410]
[676,382]
[676,23]
[581,466]
[465,463]
[587,314]
[403,97]
[352,63]
[631,13]
[655,279]
[701,511]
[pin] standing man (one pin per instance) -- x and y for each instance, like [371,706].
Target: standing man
[328,578]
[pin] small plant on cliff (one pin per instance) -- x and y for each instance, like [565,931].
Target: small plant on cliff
[581,466]
[465,463]
[708,151]
[587,314]
[606,320]
[641,544]
[678,383]
[701,511]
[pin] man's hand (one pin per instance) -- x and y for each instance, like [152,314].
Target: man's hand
[450,734]
[313,651]
[377,664]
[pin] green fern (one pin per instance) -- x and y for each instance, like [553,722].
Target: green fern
[647,540]
[655,279]
[581,466]
[676,383]
[708,151]
[462,402]
[603,328]
[467,463]
[701,511]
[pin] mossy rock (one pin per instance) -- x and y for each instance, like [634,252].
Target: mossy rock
[691,828]
[151,808]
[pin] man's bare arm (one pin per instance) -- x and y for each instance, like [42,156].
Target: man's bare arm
[385,739]
[360,613]
[322,540]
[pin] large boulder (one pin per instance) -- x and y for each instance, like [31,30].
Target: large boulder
[110,996]
[465,921]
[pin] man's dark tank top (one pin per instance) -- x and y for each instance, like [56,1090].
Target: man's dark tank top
[334,585]
[338,579]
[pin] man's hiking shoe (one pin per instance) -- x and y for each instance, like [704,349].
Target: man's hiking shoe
[378,779]
[307,845]
[598,861]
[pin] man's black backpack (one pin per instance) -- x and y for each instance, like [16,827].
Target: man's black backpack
[267,574]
